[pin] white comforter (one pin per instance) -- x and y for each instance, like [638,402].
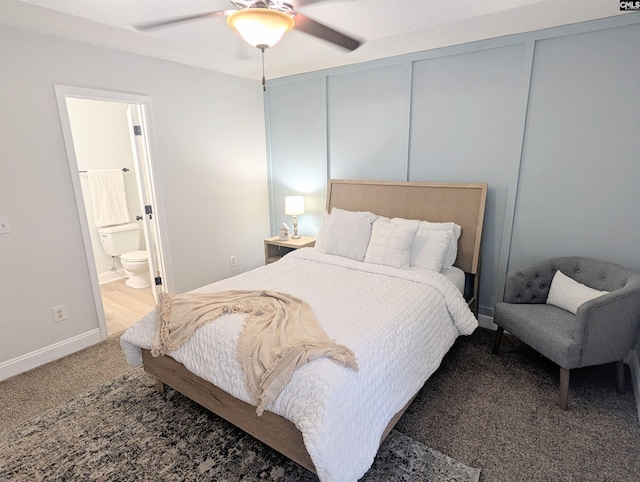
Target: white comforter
[399,323]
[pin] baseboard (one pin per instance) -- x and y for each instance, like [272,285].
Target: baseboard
[485,321]
[109,276]
[48,354]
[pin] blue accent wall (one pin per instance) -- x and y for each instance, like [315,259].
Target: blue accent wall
[368,116]
[549,119]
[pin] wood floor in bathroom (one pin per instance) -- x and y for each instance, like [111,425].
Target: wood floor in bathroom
[123,306]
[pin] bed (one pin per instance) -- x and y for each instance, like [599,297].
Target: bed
[330,419]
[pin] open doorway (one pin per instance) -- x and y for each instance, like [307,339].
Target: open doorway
[106,136]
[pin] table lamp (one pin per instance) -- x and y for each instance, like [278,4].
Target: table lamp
[294,206]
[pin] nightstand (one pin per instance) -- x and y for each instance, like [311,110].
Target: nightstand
[275,248]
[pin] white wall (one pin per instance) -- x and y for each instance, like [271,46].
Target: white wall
[210,156]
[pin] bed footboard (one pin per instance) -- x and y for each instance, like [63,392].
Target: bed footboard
[275,431]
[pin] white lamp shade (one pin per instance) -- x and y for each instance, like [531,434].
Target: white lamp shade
[260,27]
[293,205]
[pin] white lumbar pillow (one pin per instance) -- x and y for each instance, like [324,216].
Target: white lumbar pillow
[568,294]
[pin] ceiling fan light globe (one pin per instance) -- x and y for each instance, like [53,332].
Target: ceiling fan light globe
[260,26]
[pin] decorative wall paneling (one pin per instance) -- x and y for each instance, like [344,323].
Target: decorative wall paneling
[546,118]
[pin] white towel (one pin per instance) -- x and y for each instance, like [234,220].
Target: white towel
[108,197]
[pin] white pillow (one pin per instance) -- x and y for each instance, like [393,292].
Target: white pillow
[433,252]
[348,233]
[390,244]
[321,238]
[453,228]
[568,294]
[414,223]
[424,228]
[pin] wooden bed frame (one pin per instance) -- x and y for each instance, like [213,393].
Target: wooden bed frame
[463,204]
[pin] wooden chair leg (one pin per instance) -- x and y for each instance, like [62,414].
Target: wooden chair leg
[497,340]
[620,376]
[564,388]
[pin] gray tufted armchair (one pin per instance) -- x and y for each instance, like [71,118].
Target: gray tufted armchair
[604,329]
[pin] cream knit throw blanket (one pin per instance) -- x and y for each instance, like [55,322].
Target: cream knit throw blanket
[280,334]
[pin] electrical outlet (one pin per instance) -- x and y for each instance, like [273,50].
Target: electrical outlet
[232,261]
[59,313]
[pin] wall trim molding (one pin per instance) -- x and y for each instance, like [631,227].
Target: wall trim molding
[49,353]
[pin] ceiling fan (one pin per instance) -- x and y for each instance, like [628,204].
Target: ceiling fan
[262,23]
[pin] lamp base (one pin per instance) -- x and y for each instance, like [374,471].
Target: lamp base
[295,228]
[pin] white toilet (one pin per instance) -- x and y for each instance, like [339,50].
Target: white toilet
[123,240]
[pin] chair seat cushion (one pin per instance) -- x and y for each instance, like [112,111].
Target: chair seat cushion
[547,329]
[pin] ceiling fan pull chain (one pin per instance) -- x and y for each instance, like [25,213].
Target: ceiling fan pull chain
[264,86]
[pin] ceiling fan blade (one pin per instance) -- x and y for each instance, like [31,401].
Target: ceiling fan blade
[186,18]
[317,29]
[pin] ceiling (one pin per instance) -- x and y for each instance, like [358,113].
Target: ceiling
[387,27]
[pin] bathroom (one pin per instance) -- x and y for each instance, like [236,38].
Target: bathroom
[101,141]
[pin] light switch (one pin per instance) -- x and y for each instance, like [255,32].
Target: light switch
[5,227]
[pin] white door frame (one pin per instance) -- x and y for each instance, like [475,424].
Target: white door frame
[66,91]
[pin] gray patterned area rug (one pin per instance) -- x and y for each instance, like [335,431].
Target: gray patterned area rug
[126,431]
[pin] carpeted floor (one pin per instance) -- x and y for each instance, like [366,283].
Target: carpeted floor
[31,393]
[498,413]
